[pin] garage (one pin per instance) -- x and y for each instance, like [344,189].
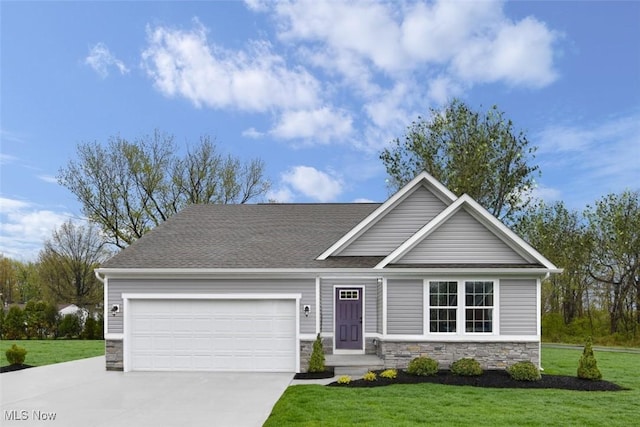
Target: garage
[211,334]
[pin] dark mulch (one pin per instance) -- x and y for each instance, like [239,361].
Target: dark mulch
[490,378]
[314,375]
[11,368]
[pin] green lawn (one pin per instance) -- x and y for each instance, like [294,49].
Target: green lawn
[419,404]
[47,352]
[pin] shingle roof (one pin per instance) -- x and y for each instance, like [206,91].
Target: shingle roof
[248,236]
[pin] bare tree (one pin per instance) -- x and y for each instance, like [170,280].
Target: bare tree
[127,188]
[67,262]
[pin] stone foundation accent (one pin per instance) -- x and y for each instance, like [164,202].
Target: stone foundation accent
[306,347]
[491,355]
[114,355]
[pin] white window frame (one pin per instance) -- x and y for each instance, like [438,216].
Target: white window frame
[461,308]
[466,307]
[438,307]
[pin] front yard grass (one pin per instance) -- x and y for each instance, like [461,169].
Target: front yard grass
[47,352]
[420,404]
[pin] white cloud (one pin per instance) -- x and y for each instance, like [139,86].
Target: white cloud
[396,59]
[548,194]
[474,41]
[355,72]
[101,59]
[363,28]
[605,154]
[11,205]
[6,159]
[48,178]
[281,195]
[184,63]
[252,133]
[363,201]
[313,183]
[518,53]
[321,125]
[24,228]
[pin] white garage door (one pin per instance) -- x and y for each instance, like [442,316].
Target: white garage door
[213,335]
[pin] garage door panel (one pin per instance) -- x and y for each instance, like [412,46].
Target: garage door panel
[229,335]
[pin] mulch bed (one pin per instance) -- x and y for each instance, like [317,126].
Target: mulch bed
[11,368]
[490,378]
[314,375]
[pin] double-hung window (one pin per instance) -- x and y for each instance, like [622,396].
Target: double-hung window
[443,303]
[478,306]
[461,306]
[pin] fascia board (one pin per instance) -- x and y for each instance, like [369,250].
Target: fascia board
[440,191]
[362,273]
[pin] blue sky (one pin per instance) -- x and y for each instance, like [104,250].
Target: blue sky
[314,89]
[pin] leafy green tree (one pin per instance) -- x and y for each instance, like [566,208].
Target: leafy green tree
[8,281]
[40,318]
[70,326]
[561,236]
[614,227]
[28,281]
[90,328]
[14,323]
[477,153]
[2,316]
[129,187]
[67,262]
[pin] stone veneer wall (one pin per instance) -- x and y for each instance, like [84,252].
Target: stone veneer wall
[114,355]
[491,355]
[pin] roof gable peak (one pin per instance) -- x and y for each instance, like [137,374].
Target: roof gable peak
[422,179]
[480,214]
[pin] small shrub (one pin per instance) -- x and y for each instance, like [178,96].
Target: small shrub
[370,376]
[70,326]
[588,366]
[423,366]
[345,379]
[316,362]
[390,374]
[16,355]
[524,371]
[466,368]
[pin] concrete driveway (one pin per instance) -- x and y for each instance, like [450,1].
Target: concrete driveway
[82,394]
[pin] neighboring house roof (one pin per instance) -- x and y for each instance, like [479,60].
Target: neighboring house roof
[410,230]
[70,309]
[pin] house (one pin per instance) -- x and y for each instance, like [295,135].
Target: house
[82,313]
[248,287]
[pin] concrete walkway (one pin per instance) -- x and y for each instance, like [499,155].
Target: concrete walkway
[82,394]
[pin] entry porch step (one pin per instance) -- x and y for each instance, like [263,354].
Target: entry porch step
[355,365]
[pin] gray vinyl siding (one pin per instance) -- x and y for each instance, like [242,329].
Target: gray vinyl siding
[411,214]
[370,303]
[405,307]
[518,307]
[462,240]
[117,287]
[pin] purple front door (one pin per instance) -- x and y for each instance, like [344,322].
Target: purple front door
[348,333]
